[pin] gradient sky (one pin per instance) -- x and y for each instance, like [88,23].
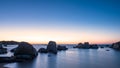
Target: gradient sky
[63,21]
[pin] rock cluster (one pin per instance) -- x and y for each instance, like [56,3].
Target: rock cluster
[23,52]
[116,45]
[5,43]
[86,45]
[2,50]
[51,47]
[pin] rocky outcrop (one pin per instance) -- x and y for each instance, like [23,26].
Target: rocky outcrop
[116,45]
[5,43]
[25,51]
[94,46]
[51,47]
[43,50]
[13,50]
[86,45]
[78,46]
[61,47]
[2,50]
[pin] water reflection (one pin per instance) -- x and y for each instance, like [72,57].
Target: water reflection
[51,61]
[73,58]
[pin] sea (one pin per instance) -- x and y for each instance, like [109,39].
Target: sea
[71,58]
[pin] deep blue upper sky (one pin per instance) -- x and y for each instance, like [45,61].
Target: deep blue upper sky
[88,16]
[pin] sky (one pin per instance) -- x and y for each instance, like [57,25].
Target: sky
[63,21]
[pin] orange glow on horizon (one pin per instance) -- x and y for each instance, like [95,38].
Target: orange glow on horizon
[61,37]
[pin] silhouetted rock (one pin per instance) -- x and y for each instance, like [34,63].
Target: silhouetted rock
[78,46]
[42,50]
[116,45]
[13,50]
[86,45]
[52,47]
[2,50]
[94,46]
[1,47]
[5,43]
[61,47]
[101,46]
[25,51]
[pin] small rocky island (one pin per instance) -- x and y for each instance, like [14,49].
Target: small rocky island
[86,45]
[116,45]
[52,48]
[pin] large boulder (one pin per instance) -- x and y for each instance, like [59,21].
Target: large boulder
[61,47]
[25,51]
[52,47]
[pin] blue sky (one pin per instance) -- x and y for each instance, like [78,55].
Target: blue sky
[96,18]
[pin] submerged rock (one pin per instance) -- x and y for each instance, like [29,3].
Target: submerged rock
[25,51]
[52,47]
[107,50]
[61,47]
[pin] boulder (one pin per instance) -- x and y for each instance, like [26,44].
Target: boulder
[61,47]
[42,50]
[52,47]
[25,51]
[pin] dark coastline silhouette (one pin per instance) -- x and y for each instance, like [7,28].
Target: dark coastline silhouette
[26,52]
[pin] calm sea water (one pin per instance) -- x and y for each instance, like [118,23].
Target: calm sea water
[73,58]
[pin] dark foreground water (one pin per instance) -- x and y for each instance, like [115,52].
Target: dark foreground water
[73,58]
